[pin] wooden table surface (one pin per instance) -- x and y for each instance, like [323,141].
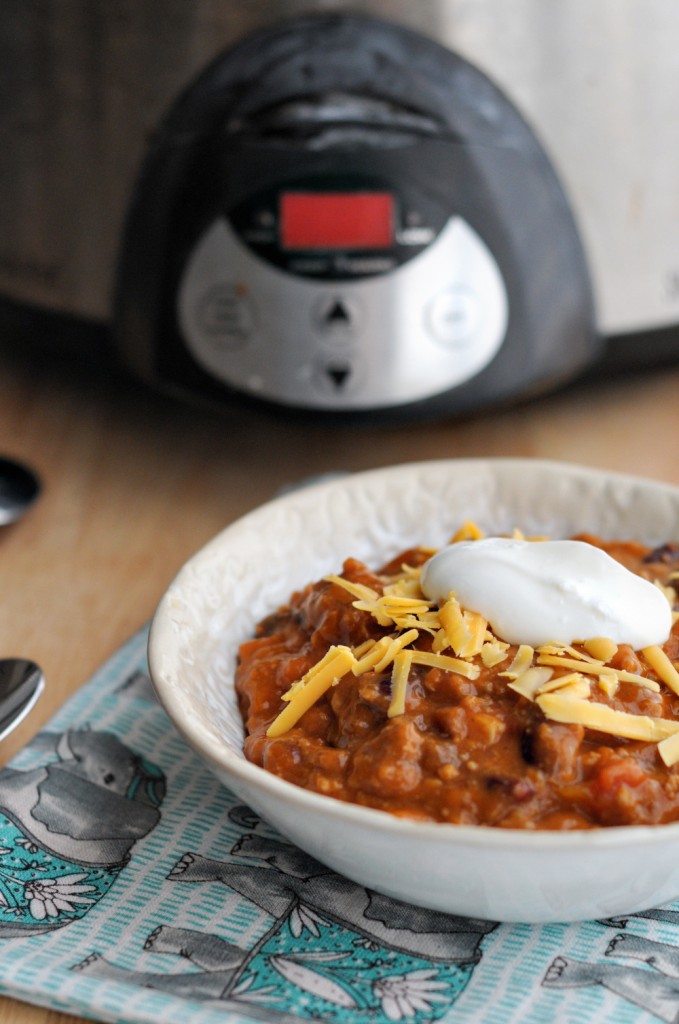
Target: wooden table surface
[134,483]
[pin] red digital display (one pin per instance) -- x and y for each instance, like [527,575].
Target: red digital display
[336,220]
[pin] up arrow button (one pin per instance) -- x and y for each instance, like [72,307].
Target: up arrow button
[336,317]
[337,314]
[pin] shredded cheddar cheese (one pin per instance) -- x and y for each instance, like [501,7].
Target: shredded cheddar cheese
[597,669]
[392,609]
[370,657]
[523,659]
[336,663]
[561,650]
[561,708]
[468,531]
[464,631]
[661,664]
[399,682]
[455,628]
[357,590]
[394,647]
[601,648]
[669,749]
[557,677]
[363,648]
[609,684]
[531,682]
[447,664]
[477,629]
[494,652]
[573,682]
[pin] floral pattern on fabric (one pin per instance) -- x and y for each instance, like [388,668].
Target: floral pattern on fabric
[38,887]
[320,970]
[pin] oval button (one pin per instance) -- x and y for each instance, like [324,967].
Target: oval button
[225,315]
[453,316]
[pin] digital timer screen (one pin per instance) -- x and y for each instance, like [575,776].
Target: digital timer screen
[336,220]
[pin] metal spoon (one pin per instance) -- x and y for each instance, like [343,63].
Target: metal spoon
[19,487]
[21,683]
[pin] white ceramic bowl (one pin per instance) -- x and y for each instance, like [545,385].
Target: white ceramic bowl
[254,565]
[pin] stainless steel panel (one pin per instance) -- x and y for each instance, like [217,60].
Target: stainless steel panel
[85,83]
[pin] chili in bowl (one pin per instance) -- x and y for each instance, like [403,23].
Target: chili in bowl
[443,744]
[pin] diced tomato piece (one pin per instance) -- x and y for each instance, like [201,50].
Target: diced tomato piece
[617,773]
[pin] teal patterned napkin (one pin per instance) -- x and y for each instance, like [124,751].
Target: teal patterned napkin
[133,887]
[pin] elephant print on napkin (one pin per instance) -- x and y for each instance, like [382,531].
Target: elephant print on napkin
[654,986]
[332,950]
[67,827]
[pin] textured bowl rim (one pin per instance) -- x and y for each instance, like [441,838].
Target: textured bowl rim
[228,764]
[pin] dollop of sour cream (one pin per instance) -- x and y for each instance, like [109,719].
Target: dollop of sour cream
[560,591]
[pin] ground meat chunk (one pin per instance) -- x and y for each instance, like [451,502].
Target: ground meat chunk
[555,748]
[389,763]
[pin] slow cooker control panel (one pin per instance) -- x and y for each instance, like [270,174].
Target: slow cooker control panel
[327,300]
[343,216]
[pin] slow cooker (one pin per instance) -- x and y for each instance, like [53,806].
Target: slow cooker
[386,207]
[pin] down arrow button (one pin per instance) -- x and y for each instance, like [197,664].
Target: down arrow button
[338,375]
